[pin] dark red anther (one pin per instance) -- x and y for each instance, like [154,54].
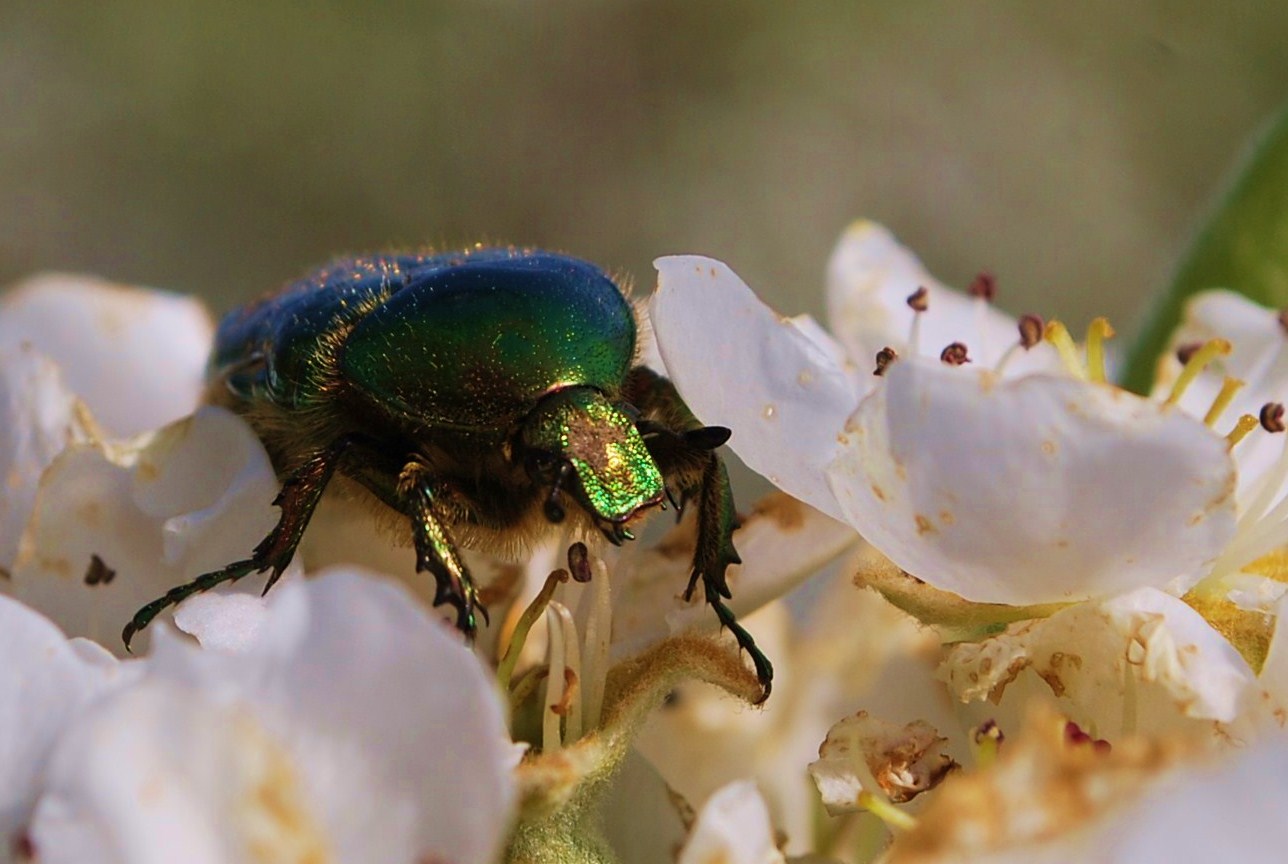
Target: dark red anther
[919,300]
[1031,328]
[984,286]
[885,357]
[954,354]
[1272,417]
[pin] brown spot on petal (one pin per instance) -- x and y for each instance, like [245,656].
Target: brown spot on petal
[786,512]
[1048,447]
[946,517]
[924,525]
[879,492]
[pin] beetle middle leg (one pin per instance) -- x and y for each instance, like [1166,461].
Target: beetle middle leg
[684,451]
[299,497]
[435,551]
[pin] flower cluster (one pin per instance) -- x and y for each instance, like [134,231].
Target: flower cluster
[1056,639]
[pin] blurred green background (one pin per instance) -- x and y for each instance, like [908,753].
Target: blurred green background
[221,148]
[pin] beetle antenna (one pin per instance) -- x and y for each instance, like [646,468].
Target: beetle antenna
[554,510]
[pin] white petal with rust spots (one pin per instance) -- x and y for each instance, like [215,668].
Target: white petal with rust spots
[864,753]
[46,682]
[793,390]
[136,356]
[394,727]
[869,278]
[1181,669]
[782,543]
[732,828]
[1030,490]
[157,511]
[38,418]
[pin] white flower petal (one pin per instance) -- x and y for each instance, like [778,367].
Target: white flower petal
[732,828]
[38,419]
[1180,666]
[869,278]
[136,356]
[354,728]
[1032,490]
[792,394]
[782,543]
[45,683]
[157,511]
[223,622]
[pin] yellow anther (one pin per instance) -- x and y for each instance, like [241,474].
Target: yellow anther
[1245,425]
[1097,332]
[1222,401]
[1196,364]
[1058,335]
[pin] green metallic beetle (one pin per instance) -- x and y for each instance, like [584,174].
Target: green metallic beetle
[478,394]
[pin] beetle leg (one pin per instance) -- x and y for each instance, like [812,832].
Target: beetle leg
[684,450]
[435,551]
[298,498]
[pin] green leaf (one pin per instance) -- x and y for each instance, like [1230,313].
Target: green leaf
[1242,245]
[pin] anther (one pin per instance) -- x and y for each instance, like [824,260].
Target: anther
[1097,332]
[983,286]
[1272,417]
[1245,424]
[954,354]
[1031,327]
[1197,362]
[919,300]
[579,562]
[885,357]
[1229,387]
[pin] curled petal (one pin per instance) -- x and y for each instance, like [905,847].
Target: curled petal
[117,525]
[794,388]
[862,753]
[1179,666]
[1032,490]
[136,356]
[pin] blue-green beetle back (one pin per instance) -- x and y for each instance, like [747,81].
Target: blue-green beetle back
[466,340]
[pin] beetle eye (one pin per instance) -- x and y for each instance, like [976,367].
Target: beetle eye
[542,464]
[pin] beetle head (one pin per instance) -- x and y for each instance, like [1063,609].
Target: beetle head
[579,442]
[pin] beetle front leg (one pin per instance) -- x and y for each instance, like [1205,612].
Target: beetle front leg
[298,498]
[435,551]
[684,450]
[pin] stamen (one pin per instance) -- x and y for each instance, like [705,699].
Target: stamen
[599,634]
[1245,424]
[558,620]
[885,357]
[1223,399]
[918,301]
[954,354]
[986,740]
[1197,362]
[1097,332]
[891,815]
[1058,335]
[1030,327]
[1272,417]
[983,286]
[505,666]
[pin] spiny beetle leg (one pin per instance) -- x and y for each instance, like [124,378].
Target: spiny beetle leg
[436,553]
[299,497]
